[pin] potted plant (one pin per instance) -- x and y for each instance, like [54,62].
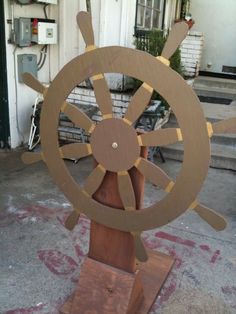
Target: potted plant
[153,42]
[185,14]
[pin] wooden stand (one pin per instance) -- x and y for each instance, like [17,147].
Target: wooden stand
[111,281]
[104,289]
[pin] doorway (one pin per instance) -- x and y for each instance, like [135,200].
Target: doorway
[4,113]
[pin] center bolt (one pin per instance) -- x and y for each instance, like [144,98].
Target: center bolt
[114,145]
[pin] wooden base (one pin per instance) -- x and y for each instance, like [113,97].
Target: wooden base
[105,289]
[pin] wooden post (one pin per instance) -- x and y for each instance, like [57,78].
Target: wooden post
[109,246]
[111,280]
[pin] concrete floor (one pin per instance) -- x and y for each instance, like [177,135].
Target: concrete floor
[40,260]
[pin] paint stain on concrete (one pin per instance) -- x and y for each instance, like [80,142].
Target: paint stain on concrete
[32,213]
[62,218]
[155,244]
[41,211]
[167,292]
[185,242]
[204,247]
[178,259]
[151,242]
[79,250]
[57,262]
[176,239]
[215,257]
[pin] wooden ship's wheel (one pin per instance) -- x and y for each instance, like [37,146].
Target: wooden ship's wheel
[115,144]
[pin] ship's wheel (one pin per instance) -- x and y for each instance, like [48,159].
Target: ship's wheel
[115,144]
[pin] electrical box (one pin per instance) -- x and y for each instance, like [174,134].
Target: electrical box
[44,32]
[22,32]
[47,1]
[26,63]
[28,31]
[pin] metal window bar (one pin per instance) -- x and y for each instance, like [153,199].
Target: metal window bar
[145,7]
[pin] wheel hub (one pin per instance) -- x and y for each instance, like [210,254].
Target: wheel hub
[115,145]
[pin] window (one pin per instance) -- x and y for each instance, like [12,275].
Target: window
[149,14]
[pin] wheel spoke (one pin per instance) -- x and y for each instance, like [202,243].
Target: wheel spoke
[143,95]
[72,219]
[79,118]
[129,202]
[138,103]
[29,158]
[153,173]
[160,137]
[84,21]
[74,114]
[75,150]
[214,219]
[140,251]
[126,190]
[94,180]
[100,86]
[103,96]
[177,34]
[159,178]
[33,83]
[225,126]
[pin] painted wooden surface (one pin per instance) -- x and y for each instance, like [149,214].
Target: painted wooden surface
[131,221]
[115,247]
[178,95]
[153,275]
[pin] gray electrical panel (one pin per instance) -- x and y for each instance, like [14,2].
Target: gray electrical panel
[26,63]
[22,31]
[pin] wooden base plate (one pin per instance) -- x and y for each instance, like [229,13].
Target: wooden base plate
[153,274]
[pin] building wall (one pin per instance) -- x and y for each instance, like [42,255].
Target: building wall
[191,52]
[216,20]
[21,97]
[116,28]
[169,14]
[113,23]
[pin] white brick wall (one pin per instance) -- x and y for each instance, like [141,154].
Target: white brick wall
[84,96]
[191,51]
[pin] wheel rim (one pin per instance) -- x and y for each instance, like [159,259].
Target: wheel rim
[177,94]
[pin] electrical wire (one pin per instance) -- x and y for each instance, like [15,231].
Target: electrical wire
[43,51]
[45,48]
[44,10]
[40,64]
[88,6]
[41,55]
